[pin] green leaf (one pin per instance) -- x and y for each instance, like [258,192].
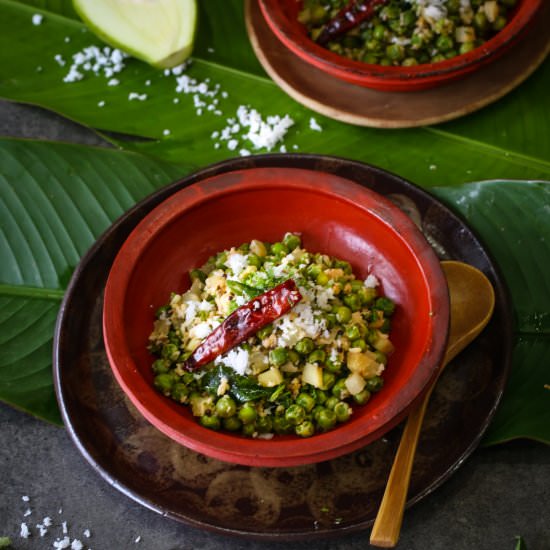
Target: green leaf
[242,388]
[484,147]
[513,219]
[55,201]
[520,544]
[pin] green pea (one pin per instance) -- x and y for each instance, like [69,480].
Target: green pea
[408,18]
[278,356]
[352,332]
[255,260]
[305,429]
[161,366]
[339,389]
[293,356]
[369,58]
[331,320]
[320,396]
[211,422]
[281,425]
[164,382]
[291,240]
[385,62]
[247,414]
[444,43]
[306,401]
[480,21]
[409,62]
[279,249]
[326,419]
[295,414]
[373,45]
[362,397]
[264,424]
[331,402]
[359,343]
[374,384]
[179,392]
[366,295]
[249,429]
[333,366]
[352,301]
[343,314]
[395,52]
[313,271]
[170,351]
[317,356]
[264,332]
[226,407]
[499,23]
[466,47]
[304,346]
[328,380]
[232,424]
[342,411]
[417,41]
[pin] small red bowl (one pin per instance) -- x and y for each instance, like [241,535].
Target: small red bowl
[335,216]
[282,17]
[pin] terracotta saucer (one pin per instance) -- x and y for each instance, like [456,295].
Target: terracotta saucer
[367,107]
[322,500]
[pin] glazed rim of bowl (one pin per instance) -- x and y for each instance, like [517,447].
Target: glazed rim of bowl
[174,419]
[293,35]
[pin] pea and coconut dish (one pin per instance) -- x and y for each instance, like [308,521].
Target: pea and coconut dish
[273,339]
[404,32]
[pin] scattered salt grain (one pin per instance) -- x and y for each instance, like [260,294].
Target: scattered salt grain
[244,153]
[176,100]
[99,104]
[166,132]
[64,527]
[67,39]
[314,125]
[27,513]
[60,61]
[138,538]
[87,533]
[24,533]
[210,50]
[113,82]
[147,83]
[76,545]
[232,144]
[433,166]
[25,498]
[37,19]
[371,281]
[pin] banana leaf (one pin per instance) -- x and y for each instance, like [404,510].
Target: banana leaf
[505,140]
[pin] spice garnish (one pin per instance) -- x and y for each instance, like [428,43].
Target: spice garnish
[351,15]
[244,322]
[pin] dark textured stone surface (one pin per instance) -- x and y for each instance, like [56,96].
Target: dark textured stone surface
[497,494]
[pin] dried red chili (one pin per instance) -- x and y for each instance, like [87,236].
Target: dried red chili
[244,322]
[351,15]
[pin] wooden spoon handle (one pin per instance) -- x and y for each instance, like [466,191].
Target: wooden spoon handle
[387,525]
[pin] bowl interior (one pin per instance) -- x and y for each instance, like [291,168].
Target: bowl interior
[334,216]
[281,15]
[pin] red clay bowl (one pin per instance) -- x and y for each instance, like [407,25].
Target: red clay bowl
[281,16]
[335,216]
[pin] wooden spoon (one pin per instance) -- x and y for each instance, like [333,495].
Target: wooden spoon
[472,302]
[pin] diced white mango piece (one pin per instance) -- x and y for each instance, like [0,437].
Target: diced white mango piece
[313,374]
[355,383]
[362,363]
[270,378]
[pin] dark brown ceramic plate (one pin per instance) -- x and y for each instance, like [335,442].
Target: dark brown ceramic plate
[354,104]
[326,499]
